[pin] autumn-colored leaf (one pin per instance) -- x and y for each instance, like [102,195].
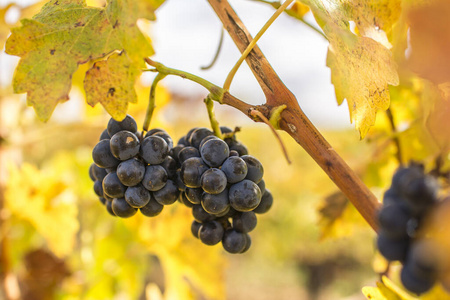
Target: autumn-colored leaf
[66,33]
[361,67]
[430,41]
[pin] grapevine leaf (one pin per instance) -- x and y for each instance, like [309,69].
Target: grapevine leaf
[430,41]
[298,10]
[111,82]
[66,33]
[361,67]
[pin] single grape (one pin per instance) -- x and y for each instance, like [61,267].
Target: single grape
[109,208]
[99,173]
[187,152]
[124,145]
[392,196]
[194,195]
[244,195]
[201,215]
[137,196]
[393,220]
[207,138]
[153,131]
[265,204]
[152,208]
[131,172]
[128,124]
[192,170]
[195,228]
[170,165]
[239,148]
[154,150]
[175,151]
[211,233]
[98,189]
[414,283]
[112,186]
[166,137]
[104,135]
[255,169]
[392,249]
[234,153]
[214,152]
[421,193]
[155,178]
[248,243]
[235,169]
[183,199]
[215,204]
[91,172]
[234,241]
[182,141]
[102,156]
[188,136]
[198,135]
[122,209]
[426,259]
[244,221]
[262,186]
[168,194]
[214,181]
[179,182]
[102,200]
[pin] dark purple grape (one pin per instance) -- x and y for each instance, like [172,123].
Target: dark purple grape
[194,195]
[137,196]
[153,131]
[102,200]
[102,156]
[109,208]
[234,153]
[124,145]
[170,165]
[235,169]
[168,194]
[211,233]
[183,199]
[215,204]
[207,138]
[175,151]
[244,221]
[155,178]
[192,170]
[122,209]
[188,136]
[179,182]
[255,169]
[166,137]
[244,195]
[195,228]
[186,153]
[214,152]
[392,196]
[113,187]
[128,124]
[91,172]
[392,249]
[393,220]
[201,215]
[234,241]
[262,186]
[99,173]
[214,181]
[131,172]
[198,135]
[98,189]
[414,283]
[154,150]
[248,243]
[239,148]
[426,259]
[104,135]
[265,204]
[182,141]
[152,208]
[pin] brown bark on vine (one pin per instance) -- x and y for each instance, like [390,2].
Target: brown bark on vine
[293,120]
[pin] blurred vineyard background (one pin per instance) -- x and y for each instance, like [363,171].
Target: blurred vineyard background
[58,242]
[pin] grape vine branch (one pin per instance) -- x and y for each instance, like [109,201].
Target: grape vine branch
[292,119]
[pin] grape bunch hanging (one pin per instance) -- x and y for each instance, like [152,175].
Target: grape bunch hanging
[217,179]
[406,205]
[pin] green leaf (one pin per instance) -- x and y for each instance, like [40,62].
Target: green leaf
[361,67]
[66,33]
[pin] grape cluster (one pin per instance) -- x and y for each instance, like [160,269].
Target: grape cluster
[406,204]
[132,174]
[217,179]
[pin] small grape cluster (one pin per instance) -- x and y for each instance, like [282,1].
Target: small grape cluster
[406,204]
[216,178]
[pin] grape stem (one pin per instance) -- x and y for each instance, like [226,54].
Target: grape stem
[258,114]
[252,44]
[292,118]
[151,101]
[212,117]
[219,48]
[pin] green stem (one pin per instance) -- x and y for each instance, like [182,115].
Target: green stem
[219,48]
[215,91]
[151,101]
[252,44]
[212,117]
